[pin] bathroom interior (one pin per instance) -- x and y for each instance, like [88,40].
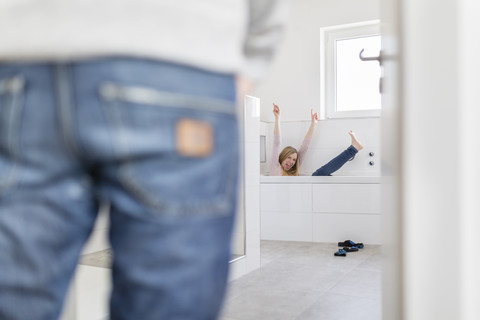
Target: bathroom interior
[306,216]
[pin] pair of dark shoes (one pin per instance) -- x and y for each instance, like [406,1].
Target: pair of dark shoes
[348,246]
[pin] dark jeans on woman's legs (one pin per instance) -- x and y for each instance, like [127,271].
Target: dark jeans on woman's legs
[336,163]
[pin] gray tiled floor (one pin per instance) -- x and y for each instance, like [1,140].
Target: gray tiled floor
[104,259]
[305,281]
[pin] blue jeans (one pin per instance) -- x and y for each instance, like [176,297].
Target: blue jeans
[158,141]
[337,162]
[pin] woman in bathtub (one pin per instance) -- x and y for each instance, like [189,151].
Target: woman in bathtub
[287,162]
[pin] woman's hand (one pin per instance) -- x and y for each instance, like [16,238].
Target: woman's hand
[311,129]
[276,111]
[314,116]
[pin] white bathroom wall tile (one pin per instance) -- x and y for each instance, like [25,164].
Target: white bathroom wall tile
[294,198]
[332,134]
[369,138]
[263,127]
[336,227]
[288,227]
[346,198]
[361,164]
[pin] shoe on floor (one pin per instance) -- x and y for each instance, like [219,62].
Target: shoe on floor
[340,253]
[350,243]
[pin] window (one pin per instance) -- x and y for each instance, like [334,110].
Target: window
[350,86]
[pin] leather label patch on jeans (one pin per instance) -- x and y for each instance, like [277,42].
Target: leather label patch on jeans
[195,138]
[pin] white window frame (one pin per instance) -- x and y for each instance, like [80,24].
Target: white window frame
[328,36]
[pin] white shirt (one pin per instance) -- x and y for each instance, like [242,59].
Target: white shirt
[230,36]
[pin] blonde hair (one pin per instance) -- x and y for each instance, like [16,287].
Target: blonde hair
[286,152]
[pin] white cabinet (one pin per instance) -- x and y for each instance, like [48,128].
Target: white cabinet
[321,210]
[346,211]
[286,197]
[346,198]
[286,212]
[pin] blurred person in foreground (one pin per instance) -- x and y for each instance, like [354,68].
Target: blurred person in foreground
[132,101]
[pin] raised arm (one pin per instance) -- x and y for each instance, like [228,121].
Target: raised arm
[306,141]
[276,113]
[311,129]
[274,166]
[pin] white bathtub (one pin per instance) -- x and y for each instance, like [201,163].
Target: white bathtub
[320,209]
[320,179]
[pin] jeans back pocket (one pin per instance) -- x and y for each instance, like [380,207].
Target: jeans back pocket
[176,153]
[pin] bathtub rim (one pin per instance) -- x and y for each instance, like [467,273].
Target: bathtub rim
[320,179]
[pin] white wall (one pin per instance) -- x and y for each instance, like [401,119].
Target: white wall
[294,80]
[432,111]
[469,65]
[440,112]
